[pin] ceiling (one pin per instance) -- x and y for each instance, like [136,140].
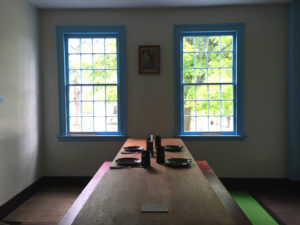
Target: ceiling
[142,3]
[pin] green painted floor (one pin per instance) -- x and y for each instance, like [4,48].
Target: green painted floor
[253,210]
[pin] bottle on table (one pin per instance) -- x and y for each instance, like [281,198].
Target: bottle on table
[160,151]
[146,155]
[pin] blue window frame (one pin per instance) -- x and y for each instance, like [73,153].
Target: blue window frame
[209,81]
[91,79]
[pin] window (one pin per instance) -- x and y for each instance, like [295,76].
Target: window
[209,80]
[91,71]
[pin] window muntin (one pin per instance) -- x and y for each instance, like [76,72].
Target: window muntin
[208,82]
[92,69]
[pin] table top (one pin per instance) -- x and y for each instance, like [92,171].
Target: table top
[118,197]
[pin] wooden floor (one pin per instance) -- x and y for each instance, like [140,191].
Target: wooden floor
[49,205]
[283,205]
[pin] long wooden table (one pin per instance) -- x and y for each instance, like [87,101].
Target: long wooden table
[115,196]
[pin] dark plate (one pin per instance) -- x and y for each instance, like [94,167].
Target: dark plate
[173,148]
[128,161]
[178,162]
[133,148]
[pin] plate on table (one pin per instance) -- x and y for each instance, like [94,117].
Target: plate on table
[128,161]
[173,148]
[133,148]
[178,162]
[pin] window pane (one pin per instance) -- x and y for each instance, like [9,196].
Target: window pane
[227,92]
[214,124]
[110,45]
[227,123]
[99,93]
[201,43]
[214,92]
[202,108]
[214,43]
[214,108]
[202,92]
[74,45]
[99,76]
[111,61]
[202,124]
[213,76]
[111,76]
[188,76]
[87,124]
[111,108]
[111,93]
[87,108]
[201,60]
[74,61]
[213,59]
[188,60]
[189,92]
[226,75]
[189,124]
[99,108]
[86,61]
[112,123]
[75,124]
[188,44]
[86,45]
[87,93]
[75,93]
[75,109]
[227,108]
[99,123]
[98,45]
[74,77]
[99,62]
[201,75]
[226,59]
[226,43]
[189,108]
[87,76]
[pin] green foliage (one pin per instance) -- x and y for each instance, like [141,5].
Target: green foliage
[99,76]
[111,92]
[203,59]
[99,62]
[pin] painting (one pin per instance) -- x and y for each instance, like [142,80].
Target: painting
[149,59]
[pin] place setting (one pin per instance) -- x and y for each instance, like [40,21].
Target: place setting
[132,149]
[146,154]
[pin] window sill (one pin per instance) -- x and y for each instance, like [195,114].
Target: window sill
[73,137]
[212,137]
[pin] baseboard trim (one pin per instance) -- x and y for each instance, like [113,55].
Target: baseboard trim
[66,181]
[254,184]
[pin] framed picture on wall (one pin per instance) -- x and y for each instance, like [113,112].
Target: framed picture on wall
[149,59]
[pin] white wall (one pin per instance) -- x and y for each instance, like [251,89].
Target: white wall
[150,99]
[19,126]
